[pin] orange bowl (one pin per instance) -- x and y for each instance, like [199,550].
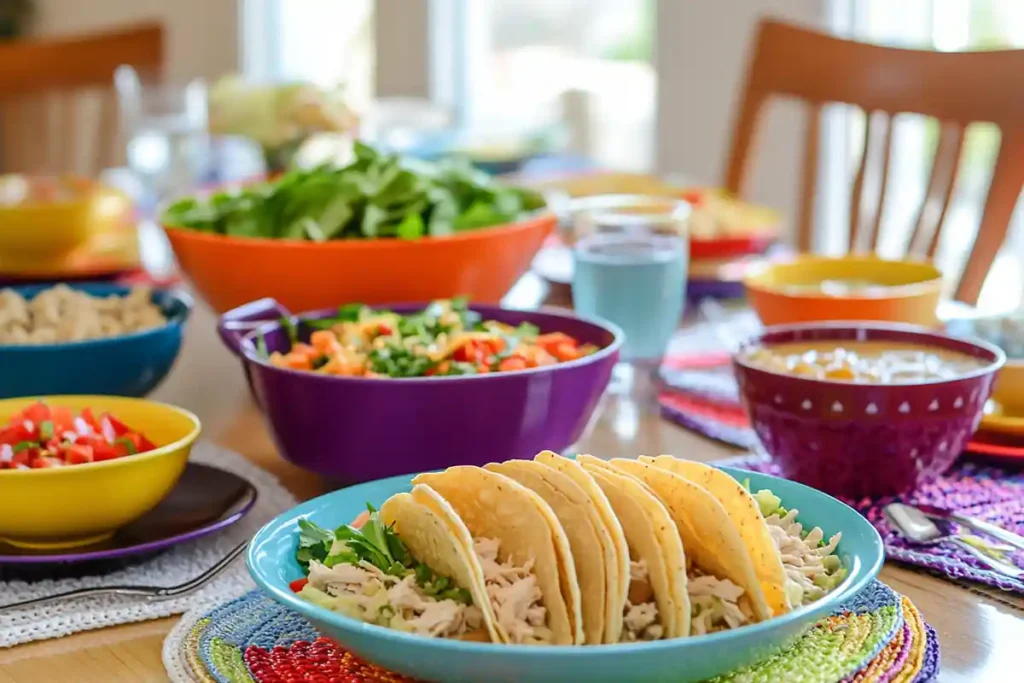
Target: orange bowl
[482,264]
[890,291]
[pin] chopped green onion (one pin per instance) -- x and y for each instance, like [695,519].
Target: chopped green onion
[128,443]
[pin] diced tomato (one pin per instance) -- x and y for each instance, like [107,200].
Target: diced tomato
[298,584]
[120,428]
[483,368]
[105,451]
[550,341]
[511,364]
[384,330]
[90,419]
[694,197]
[63,419]
[45,462]
[77,454]
[36,413]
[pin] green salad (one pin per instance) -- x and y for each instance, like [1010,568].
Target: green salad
[376,196]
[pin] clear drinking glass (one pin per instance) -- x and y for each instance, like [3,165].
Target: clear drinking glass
[165,131]
[630,267]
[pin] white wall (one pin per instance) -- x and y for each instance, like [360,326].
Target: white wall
[202,36]
[701,57]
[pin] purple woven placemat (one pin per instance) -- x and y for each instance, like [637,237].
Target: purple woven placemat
[987,493]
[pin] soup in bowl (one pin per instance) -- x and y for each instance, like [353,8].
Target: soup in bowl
[864,409]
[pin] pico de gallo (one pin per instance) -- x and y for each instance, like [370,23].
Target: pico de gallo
[42,436]
[445,338]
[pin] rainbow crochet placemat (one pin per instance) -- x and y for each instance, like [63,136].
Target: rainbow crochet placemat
[877,636]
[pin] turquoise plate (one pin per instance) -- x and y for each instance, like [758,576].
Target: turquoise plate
[271,560]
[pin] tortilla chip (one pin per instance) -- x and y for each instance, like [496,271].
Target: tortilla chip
[746,514]
[652,536]
[711,538]
[495,506]
[436,536]
[589,540]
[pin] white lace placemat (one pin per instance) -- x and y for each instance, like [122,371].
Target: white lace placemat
[168,569]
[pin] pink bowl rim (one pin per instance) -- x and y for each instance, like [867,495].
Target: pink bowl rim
[972,346]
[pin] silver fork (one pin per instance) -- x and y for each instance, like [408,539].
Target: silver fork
[151,592]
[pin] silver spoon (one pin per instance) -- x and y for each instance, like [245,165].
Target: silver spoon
[916,527]
[152,592]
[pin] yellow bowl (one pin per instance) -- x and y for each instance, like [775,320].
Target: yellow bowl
[83,504]
[874,289]
[1004,413]
[55,228]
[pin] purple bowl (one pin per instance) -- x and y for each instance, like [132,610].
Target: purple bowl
[356,429]
[864,440]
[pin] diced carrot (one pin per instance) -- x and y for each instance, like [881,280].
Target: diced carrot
[325,341]
[565,352]
[297,362]
[511,364]
[483,368]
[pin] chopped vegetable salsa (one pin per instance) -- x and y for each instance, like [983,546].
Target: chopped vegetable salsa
[41,436]
[446,338]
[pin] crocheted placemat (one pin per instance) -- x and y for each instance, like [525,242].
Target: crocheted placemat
[876,635]
[171,568]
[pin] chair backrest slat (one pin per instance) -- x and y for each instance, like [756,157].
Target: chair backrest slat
[957,89]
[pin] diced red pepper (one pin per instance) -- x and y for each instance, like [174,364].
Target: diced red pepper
[298,584]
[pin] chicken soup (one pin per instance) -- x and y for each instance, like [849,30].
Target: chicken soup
[864,362]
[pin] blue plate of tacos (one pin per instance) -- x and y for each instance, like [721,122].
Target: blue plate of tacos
[558,569]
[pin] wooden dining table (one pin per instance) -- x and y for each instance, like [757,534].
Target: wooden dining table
[981,632]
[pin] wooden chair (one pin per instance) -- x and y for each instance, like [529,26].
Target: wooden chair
[58,109]
[955,88]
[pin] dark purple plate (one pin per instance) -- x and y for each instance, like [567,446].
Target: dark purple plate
[205,500]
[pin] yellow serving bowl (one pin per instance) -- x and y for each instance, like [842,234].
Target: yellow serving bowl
[879,290]
[83,504]
[1004,413]
[51,229]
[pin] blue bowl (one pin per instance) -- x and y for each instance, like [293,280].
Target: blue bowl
[129,365]
[271,560]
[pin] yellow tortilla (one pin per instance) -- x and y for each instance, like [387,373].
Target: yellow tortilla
[619,575]
[495,506]
[436,536]
[746,514]
[651,536]
[711,538]
[589,541]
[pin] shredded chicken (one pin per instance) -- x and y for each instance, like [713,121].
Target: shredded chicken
[803,556]
[372,596]
[515,595]
[715,604]
[640,619]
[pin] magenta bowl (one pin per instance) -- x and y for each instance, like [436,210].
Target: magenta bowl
[864,440]
[356,429]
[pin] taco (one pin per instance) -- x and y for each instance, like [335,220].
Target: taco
[405,567]
[527,564]
[618,574]
[590,541]
[795,567]
[656,605]
[723,588]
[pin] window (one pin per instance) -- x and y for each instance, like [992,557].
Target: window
[327,42]
[585,64]
[949,25]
